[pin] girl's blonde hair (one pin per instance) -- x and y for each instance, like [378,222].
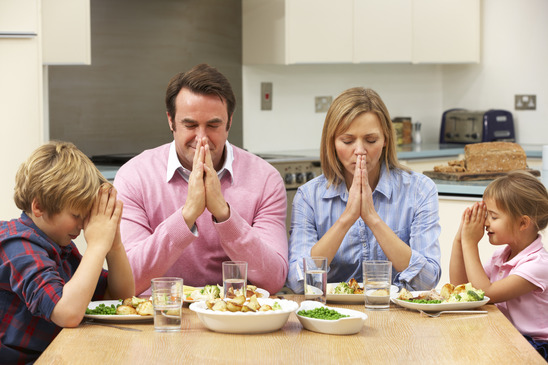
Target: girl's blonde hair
[519,193]
[58,175]
[342,112]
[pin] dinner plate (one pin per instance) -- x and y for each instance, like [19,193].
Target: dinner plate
[115,317]
[440,306]
[351,298]
[265,294]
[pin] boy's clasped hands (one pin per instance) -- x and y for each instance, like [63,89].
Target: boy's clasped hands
[102,225]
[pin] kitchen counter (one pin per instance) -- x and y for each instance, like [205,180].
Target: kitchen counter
[405,152]
[454,188]
[436,150]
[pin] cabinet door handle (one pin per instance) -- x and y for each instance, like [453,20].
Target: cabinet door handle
[17,35]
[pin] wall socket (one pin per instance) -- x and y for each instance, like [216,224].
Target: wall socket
[266,96]
[525,102]
[322,103]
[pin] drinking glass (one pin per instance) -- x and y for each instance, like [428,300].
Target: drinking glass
[234,278]
[315,278]
[167,300]
[377,278]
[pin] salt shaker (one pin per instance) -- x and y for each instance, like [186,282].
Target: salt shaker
[417,133]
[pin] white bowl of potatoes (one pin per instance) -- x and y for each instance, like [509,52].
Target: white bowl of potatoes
[269,316]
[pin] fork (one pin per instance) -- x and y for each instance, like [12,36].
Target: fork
[113,326]
[437,314]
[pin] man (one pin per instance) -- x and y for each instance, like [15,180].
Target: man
[193,203]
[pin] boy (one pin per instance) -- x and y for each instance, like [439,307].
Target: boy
[45,283]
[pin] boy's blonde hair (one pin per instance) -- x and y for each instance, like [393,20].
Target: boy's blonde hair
[58,175]
[519,193]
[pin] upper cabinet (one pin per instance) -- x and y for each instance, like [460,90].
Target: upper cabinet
[19,18]
[66,32]
[446,31]
[360,31]
[318,31]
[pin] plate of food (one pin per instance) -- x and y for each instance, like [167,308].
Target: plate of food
[460,297]
[128,310]
[210,292]
[244,315]
[350,292]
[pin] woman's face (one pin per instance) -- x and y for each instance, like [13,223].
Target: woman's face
[363,137]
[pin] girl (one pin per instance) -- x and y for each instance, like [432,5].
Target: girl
[513,211]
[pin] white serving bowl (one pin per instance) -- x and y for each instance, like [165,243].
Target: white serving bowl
[343,326]
[246,322]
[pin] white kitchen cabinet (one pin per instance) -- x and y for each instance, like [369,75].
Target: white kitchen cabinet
[360,31]
[446,31]
[19,18]
[382,31]
[21,97]
[66,32]
[318,31]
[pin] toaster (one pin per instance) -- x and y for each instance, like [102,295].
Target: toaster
[466,126]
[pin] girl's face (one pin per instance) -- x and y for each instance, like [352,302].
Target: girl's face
[499,225]
[363,137]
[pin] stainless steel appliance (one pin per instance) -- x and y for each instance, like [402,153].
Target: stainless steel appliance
[295,170]
[466,126]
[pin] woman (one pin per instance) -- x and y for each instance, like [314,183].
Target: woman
[365,206]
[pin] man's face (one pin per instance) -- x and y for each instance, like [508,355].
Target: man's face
[198,116]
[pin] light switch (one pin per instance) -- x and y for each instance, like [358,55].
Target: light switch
[266,96]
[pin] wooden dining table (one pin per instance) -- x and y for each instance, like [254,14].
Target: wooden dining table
[397,335]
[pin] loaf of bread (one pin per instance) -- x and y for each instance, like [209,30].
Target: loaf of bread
[494,157]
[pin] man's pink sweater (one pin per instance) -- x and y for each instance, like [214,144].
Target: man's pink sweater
[159,243]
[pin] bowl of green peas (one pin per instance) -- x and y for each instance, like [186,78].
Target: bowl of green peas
[317,317]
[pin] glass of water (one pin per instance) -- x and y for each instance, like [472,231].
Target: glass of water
[315,278]
[167,300]
[234,278]
[377,278]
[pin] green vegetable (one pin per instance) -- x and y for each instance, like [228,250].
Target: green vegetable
[322,313]
[474,296]
[212,291]
[102,309]
[276,306]
[343,288]
[423,301]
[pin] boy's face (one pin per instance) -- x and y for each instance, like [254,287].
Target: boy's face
[62,227]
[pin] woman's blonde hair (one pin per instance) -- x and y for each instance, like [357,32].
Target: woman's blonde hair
[342,112]
[58,175]
[519,193]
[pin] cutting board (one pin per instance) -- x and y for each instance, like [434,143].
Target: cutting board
[469,176]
